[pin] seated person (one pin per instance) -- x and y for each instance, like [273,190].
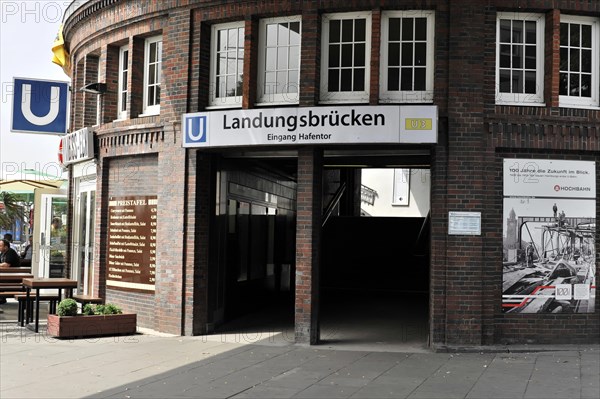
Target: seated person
[27,253]
[8,256]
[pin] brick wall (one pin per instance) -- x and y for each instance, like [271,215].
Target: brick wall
[474,135]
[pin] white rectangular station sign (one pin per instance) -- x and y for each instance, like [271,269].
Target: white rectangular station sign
[311,125]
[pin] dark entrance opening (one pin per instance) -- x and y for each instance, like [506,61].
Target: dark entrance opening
[374,269]
[375,252]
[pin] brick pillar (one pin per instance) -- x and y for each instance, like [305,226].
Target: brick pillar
[308,243]
[109,74]
[310,55]
[90,100]
[250,59]
[77,97]
[375,60]
[135,86]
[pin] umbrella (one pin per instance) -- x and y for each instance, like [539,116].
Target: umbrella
[28,180]
[18,186]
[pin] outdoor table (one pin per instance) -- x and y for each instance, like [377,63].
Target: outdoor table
[13,277]
[47,283]
[15,270]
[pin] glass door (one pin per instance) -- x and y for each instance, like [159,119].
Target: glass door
[53,241]
[83,237]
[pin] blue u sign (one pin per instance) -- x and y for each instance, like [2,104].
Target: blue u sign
[40,106]
[195,129]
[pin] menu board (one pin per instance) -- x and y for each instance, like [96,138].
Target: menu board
[131,254]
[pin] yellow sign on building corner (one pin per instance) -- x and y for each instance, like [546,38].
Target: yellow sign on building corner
[418,124]
[61,55]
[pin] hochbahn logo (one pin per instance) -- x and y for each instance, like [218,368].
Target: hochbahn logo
[558,188]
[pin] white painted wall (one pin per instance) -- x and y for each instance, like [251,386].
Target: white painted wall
[382,181]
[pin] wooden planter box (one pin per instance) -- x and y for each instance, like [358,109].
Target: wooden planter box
[90,326]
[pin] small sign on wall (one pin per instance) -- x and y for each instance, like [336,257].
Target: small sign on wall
[464,223]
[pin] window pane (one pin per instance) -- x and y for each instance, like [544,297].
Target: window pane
[157,100]
[282,58]
[359,54]
[150,101]
[574,38]
[406,79]
[360,30]
[574,60]
[346,80]
[407,29]
[271,61]
[420,54]
[530,84]
[586,61]
[284,36]
[220,89]
[334,31]
[152,57]
[151,74]
[295,33]
[504,81]
[394,28]
[564,34]
[563,84]
[231,61]
[294,57]
[232,38]
[124,81]
[420,28]
[346,55]
[517,81]
[504,56]
[394,54]
[419,79]
[126,59]
[240,66]
[347,25]
[334,55]
[574,84]
[281,81]
[530,57]
[240,33]
[124,102]
[270,82]
[222,43]
[564,59]
[333,80]
[271,35]
[517,57]
[586,36]
[240,84]
[517,32]
[393,79]
[504,31]
[530,32]
[359,79]
[407,54]
[586,85]
[292,86]
[231,83]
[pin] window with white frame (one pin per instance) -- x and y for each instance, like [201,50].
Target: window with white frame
[227,64]
[152,75]
[346,54]
[579,61]
[279,60]
[407,52]
[520,59]
[123,74]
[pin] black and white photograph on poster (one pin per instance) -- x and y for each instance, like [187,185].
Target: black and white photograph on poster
[549,236]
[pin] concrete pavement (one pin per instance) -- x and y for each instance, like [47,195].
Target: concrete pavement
[155,366]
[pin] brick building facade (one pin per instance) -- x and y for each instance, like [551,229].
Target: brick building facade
[484,118]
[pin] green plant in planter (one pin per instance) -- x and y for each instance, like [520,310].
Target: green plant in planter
[109,308]
[88,309]
[67,307]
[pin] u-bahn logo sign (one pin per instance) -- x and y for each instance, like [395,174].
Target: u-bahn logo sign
[40,106]
[311,125]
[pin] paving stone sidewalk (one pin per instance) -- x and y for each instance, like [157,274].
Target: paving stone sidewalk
[151,366]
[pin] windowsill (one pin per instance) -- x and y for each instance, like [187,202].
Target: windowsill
[146,115]
[345,101]
[224,106]
[276,103]
[514,104]
[579,106]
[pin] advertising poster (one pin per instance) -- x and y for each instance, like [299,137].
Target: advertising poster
[549,235]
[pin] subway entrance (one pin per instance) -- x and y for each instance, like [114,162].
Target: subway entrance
[374,262]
